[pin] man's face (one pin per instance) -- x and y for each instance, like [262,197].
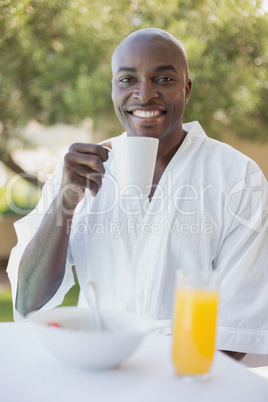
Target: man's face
[150,87]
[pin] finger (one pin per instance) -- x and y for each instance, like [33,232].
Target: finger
[92,182]
[94,189]
[92,149]
[75,159]
[86,176]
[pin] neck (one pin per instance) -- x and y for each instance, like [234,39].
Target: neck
[167,151]
[164,157]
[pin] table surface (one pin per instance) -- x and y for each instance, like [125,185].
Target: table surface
[28,372]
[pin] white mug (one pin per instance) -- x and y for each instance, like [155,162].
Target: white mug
[134,159]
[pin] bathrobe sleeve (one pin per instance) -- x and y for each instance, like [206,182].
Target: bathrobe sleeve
[242,260]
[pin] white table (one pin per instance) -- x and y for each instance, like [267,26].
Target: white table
[29,373]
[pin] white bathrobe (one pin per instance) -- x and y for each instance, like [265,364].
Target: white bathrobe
[209,211]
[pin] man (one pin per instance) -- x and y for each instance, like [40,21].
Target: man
[207,209]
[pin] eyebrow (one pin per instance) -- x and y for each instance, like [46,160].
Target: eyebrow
[129,69]
[164,68]
[157,69]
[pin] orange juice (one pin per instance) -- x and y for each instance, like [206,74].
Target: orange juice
[194,330]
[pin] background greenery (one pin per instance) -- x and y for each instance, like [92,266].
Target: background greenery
[55,68]
[6,310]
[55,62]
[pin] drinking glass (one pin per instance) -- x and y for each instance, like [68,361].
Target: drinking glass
[194,323]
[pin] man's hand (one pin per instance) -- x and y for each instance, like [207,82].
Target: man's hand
[83,168]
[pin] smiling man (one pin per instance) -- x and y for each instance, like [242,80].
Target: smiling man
[150,91]
[207,210]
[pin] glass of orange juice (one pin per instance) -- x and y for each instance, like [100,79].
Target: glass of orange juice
[194,323]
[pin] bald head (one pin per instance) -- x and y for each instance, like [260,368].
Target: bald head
[150,85]
[150,34]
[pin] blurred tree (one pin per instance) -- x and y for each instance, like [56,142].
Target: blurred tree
[55,62]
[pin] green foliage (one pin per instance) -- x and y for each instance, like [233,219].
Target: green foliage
[6,309]
[230,72]
[71,298]
[18,197]
[55,60]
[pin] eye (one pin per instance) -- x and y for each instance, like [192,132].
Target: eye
[164,79]
[126,80]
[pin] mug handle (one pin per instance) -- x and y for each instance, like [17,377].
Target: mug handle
[106,168]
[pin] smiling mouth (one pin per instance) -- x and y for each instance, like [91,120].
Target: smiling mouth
[147,114]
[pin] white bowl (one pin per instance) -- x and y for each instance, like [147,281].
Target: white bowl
[76,342]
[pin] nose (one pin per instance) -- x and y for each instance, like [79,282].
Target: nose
[145,91]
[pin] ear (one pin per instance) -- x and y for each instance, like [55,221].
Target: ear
[188,89]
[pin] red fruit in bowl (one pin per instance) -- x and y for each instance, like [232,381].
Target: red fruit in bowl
[54,324]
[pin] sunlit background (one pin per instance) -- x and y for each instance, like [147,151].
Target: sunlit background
[55,81]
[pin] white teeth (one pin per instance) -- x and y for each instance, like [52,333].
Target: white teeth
[146,114]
